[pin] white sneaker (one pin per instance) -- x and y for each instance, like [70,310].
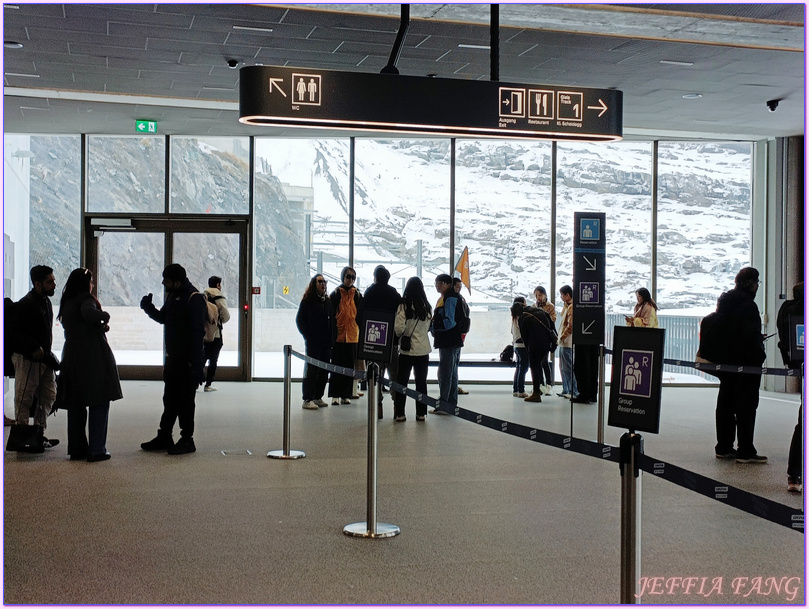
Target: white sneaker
[320,403]
[546,389]
[343,401]
[309,405]
[516,394]
[209,388]
[335,401]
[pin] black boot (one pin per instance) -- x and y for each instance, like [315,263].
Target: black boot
[163,441]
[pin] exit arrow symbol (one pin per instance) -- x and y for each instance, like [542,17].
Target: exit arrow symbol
[141,126]
[602,107]
[275,81]
[592,266]
[586,330]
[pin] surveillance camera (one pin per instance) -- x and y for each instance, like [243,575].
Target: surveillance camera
[234,63]
[772,104]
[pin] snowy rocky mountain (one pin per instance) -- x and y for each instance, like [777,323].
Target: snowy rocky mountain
[402,197]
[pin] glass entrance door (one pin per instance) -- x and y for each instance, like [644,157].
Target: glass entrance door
[128,257]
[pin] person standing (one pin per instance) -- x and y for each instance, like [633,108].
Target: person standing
[569,387]
[383,297]
[412,325]
[791,308]
[536,329]
[212,349]
[183,317]
[743,345]
[520,352]
[457,284]
[315,321]
[447,339]
[34,362]
[346,302]
[645,313]
[542,302]
[89,374]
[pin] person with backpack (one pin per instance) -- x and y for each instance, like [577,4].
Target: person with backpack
[345,300]
[213,328]
[31,328]
[544,303]
[521,352]
[538,333]
[457,284]
[183,318]
[738,342]
[792,308]
[446,328]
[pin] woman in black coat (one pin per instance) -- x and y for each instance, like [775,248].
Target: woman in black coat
[89,375]
[315,321]
[536,331]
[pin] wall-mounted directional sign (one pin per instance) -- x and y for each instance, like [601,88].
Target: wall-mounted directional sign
[303,97]
[589,262]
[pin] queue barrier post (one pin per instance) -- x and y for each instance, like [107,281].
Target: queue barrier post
[286,453]
[371,528]
[631,447]
[601,385]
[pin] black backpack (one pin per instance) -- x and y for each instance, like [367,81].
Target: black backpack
[464,323]
[507,354]
[713,339]
[8,336]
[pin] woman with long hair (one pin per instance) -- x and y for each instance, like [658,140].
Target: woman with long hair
[520,352]
[346,302]
[89,376]
[412,325]
[315,321]
[645,314]
[544,303]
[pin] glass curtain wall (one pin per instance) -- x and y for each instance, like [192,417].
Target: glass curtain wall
[41,212]
[300,227]
[503,215]
[401,200]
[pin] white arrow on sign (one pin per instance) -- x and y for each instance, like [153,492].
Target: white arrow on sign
[602,107]
[592,266]
[275,81]
[141,126]
[586,330]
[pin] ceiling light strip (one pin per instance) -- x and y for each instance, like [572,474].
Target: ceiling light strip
[116,98]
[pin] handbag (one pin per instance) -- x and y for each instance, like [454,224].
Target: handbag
[26,439]
[405,342]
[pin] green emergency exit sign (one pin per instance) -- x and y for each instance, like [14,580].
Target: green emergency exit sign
[146,126]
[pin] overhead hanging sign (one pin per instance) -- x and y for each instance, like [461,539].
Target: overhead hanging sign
[303,97]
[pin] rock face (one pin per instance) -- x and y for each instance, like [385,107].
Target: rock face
[503,201]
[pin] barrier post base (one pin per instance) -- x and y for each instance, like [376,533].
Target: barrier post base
[360,529]
[279,454]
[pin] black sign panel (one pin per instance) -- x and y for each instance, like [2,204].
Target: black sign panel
[307,97]
[796,338]
[637,378]
[589,262]
[376,336]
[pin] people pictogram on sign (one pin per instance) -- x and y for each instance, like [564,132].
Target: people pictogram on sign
[374,334]
[301,89]
[587,233]
[632,375]
[312,88]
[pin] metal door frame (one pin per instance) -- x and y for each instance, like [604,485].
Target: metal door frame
[95,225]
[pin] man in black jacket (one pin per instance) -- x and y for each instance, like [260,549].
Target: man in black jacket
[382,297]
[792,308]
[34,363]
[447,339]
[183,316]
[737,401]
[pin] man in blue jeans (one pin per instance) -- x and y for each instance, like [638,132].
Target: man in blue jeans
[447,339]
[569,388]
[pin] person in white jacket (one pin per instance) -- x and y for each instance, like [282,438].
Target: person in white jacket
[214,294]
[412,326]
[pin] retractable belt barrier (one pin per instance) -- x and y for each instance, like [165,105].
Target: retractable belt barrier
[745,501]
[711,367]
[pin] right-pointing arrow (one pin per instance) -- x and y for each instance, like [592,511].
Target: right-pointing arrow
[587,329]
[602,107]
[592,266]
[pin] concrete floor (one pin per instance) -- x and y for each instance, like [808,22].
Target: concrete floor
[485,518]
